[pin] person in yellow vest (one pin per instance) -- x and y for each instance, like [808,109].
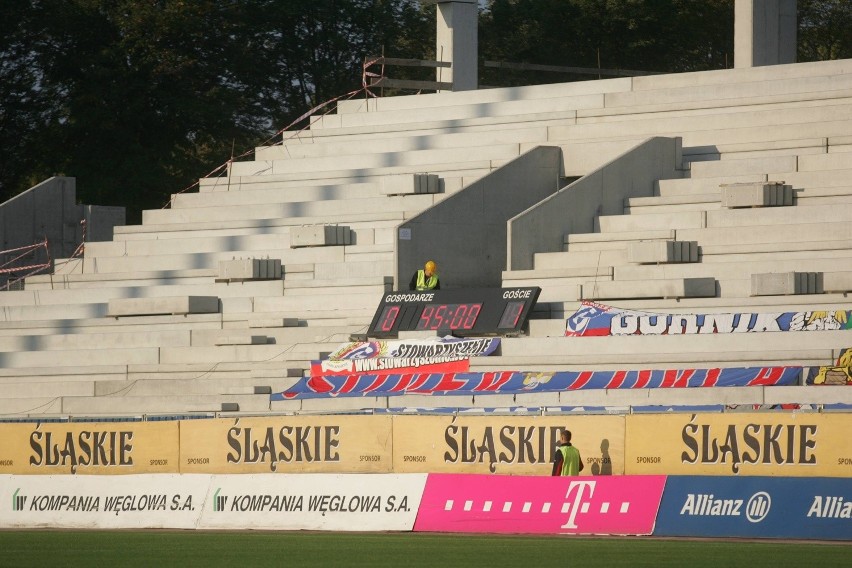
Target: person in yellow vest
[426,279]
[567,460]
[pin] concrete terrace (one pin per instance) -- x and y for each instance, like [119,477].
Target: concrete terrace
[226,296]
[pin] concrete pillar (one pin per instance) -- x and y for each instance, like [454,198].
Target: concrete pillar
[764,32]
[457,41]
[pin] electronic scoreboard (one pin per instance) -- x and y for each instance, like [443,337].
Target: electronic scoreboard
[460,312]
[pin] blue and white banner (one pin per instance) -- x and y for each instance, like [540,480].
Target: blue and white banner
[759,507]
[593,319]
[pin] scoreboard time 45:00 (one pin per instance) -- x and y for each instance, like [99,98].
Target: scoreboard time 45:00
[472,311]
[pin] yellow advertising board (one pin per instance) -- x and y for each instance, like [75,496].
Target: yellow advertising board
[790,445]
[514,445]
[287,444]
[89,448]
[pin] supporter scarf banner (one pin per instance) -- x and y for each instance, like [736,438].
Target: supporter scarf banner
[593,319]
[508,382]
[840,374]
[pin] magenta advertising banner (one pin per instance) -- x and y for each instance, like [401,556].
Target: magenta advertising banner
[625,505]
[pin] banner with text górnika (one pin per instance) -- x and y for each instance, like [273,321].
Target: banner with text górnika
[540,505]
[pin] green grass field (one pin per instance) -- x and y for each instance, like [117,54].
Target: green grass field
[407,550]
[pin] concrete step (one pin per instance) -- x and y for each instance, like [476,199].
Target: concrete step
[313,209]
[450,112]
[657,288]
[187,387]
[62,342]
[212,355]
[734,218]
[66,297]
[80,357]
[245,192]
[781,250]
[776,344]
[729,270]
[31,406]
[744,166]
[735,90]
[572,259]
[692,120]
[420,159]
[137,405]
[78,281]
[209,260]
[112,325]
[480,96]
[192,244]
[13,390]
[641,361]
[331,147]
[361,224]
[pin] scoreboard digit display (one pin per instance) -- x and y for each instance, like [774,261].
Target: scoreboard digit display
[473,311]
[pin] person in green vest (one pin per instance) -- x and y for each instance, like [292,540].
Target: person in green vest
[426,279]
[567,460]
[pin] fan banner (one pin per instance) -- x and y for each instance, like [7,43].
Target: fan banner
[508,382]
[593,319]
[839,374]
[437,347]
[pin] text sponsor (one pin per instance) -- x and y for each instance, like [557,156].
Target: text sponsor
[285,444]
[770,444]
[99,448]
[503,445]
[366,365]
[115,504]
[323,504]
[830,507]
[755,509]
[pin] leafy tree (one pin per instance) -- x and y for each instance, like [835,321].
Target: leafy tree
[825,30]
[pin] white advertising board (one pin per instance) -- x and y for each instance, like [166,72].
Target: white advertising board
[342,502]
[103,502]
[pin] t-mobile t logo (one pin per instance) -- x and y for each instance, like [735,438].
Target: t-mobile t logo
[579,505]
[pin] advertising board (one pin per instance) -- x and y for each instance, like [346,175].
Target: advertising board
[287,444]
[356,502]
[739,444]
[516,445]
[540,505]
[89,448]
[108,502]
[760,507]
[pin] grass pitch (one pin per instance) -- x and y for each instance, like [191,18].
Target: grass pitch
[407,550]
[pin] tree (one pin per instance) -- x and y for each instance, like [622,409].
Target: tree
[825,30]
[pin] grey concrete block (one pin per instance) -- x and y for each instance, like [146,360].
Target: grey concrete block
[756,194]
[240,270]
[241,340]
[410,184]
[662,252]
[166,305]
[273,322]
[786,283]
[320,236]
